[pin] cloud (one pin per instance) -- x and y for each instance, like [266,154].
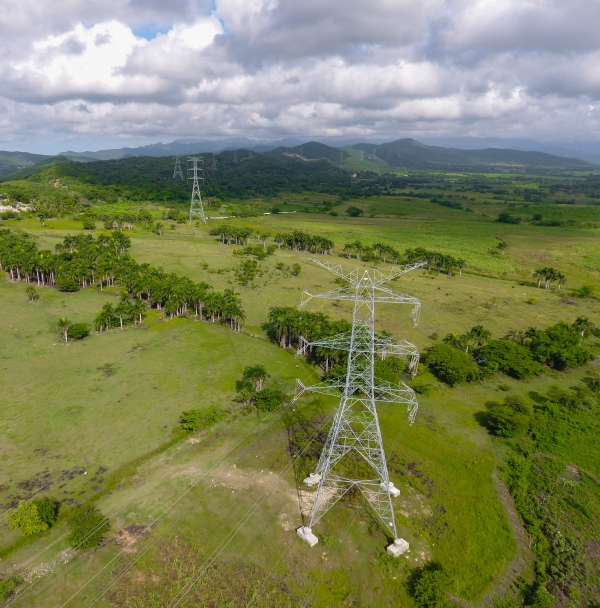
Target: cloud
[132,71]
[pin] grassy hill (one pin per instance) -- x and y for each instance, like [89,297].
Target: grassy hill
[13,161]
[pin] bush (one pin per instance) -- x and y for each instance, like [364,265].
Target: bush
[506,218]
[426,586]
[192,420]
[508,357]
[26,519]
[9,584]
[296,269]
[510,418]
[451,366]
[389,369]
[269,399]
[67,284]
[78,331]
[88,527]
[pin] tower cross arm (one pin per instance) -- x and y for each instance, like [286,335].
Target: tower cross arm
[396,271]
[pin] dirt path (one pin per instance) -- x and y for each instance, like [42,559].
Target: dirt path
[523,559]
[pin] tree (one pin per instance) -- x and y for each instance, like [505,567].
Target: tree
[269,399]
[31,293]
[159,228]
[63,326]
[451,366]
[510,418]
[26,519]
[88,527]
[138,310]
[255,376]
[354,211]
[47,510]
[479,335]
[426,586]
[584,326]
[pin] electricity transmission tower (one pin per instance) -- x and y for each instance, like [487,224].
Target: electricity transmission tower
[196,173]
[362,155]
[177,172]
[235,156]
[213,167]
[355,430]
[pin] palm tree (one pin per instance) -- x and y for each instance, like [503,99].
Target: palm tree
[456,341]
[138,310]
[63,326]
[32,293]
[561,278]
[480,335]
[256,375]
[515,335]
[584,326]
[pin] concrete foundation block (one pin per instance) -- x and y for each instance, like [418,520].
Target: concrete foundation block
[306,534]
[393,490]
[398,547]
[313,479]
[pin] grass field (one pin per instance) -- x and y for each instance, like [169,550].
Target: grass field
[59,411]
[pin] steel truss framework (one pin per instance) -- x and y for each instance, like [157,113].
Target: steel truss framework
[356,426]
[196,173]
[177,172]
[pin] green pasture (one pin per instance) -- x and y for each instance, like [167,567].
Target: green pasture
[59,412]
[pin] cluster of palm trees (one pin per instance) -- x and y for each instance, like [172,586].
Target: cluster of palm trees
[477,337]
[79,259]
[377,251]
[549,276]
[302,241]
[441,262]
[286,324]
[104,262]
[230,235]
[532,336]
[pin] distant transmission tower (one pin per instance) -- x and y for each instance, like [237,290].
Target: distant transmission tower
[250,154]
[213,167]
[235,156]
[374,153]
[196,173]
[355,429]
[177,171]
[362,155]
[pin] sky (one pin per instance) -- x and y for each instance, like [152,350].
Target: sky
[92,74]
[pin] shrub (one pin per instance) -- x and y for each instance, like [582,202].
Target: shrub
[389,369]
[426,586]
[88,527]
[506,218]
[509,418]
[9,584]
[296,269]
[26,519]
[78,331]
[451,366]
[508,357]
[67,284]
[269,399]
[192,420]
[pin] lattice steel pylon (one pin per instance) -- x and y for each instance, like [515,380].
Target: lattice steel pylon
[196,173]
[177,172]
[355,426]
[213,167]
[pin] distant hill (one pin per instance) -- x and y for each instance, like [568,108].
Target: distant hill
[411,153]
[183,147]
[13,161]
[313,150]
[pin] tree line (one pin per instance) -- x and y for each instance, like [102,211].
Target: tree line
[474,355]
[81,261]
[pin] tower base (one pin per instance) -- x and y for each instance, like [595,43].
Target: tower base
[391,488]
[398,547]
[306,534]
